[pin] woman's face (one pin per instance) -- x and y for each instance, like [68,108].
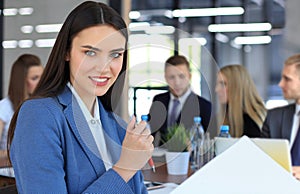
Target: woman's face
[221,89]
[33,77]
[96,59]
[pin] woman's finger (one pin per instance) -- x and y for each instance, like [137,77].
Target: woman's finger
[131,124]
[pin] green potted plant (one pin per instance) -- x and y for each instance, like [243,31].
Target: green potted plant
[177,155]
[177,139]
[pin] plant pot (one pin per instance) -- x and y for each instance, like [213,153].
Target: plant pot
[177,162]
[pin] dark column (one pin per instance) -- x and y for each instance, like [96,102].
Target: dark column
[176,25]
[1,48]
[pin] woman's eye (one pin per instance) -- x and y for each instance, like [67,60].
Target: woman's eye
[116,55]
[90,53]
[35,78]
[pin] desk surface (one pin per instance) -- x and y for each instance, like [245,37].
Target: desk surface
[161,175]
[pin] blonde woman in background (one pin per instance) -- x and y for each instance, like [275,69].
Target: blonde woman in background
[241,106]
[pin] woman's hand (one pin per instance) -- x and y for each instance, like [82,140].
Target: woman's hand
[296,172]
[137,148]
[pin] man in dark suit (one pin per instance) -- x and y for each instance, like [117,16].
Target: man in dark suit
[283,122]
[180,104]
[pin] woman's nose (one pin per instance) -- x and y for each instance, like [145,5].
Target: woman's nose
[103,64]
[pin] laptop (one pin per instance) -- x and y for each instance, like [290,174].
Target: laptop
[277,149]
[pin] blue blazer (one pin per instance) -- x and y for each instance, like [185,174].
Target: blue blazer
[53,150]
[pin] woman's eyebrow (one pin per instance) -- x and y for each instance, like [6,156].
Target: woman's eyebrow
[97,49]
[91,48]
[117,50]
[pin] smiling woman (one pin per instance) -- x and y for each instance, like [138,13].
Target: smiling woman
[66,137]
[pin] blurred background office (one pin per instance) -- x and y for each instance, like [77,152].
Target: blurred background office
[160,29]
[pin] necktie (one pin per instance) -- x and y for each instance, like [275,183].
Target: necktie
[295,151]
[173,115]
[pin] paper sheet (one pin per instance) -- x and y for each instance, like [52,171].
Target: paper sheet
[242,169]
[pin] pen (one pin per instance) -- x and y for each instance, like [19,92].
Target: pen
[151,164]
[150,161]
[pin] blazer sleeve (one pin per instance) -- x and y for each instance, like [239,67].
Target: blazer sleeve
[38,157]
[265,131]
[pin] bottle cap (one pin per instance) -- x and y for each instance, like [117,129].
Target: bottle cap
[224,128]
[144,117]
[197,119]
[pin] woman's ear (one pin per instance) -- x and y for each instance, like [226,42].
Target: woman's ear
[67,57]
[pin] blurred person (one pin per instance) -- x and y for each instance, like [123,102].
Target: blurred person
[178,76]
[283,122]
[241,107]
[25,74]
[66,137]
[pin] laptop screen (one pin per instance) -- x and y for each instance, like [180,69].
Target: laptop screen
[277,149]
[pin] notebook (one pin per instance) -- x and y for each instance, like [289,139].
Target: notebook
[278,149]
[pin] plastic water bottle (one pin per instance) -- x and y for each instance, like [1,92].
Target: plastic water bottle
[145,118]
[197,139]
[224,131]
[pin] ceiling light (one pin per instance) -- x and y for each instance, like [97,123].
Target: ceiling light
[25,43]
[222,37]
[149,13]
[45,42]
[253,40]
[138,26]
[27,29]
[250,27]
[10,12]
[134,15]
[234,45]
[47,28]
[208,12]
[26,11]
[10,44]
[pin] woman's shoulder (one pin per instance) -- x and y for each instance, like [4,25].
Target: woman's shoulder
[5,101]
[6,109]
[6,105]
[44,100]
[41,103]
[251,129]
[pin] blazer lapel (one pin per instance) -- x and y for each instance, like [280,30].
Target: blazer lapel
[114,129]
[80,129]
[165,100]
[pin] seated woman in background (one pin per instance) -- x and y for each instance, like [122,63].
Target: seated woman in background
[241,106]
[25,74]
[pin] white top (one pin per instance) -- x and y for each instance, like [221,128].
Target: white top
[95,127]
[6,113]
[181,99]
[295,125]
